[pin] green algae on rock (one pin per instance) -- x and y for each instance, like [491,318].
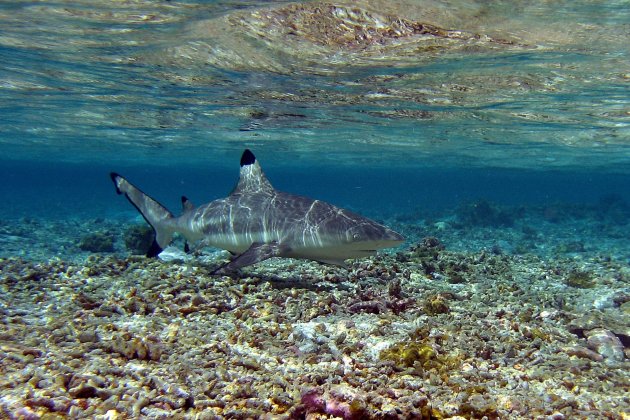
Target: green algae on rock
[420,355]
[406,354]
[436,304]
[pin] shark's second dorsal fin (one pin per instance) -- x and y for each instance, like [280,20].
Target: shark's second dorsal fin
[252,178]
[187,205]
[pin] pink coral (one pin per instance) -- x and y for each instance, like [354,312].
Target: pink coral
[335,403]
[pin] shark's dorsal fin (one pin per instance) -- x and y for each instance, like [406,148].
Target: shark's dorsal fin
[187,205]
[252,178]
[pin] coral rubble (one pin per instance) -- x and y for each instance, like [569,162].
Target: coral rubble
[133,337]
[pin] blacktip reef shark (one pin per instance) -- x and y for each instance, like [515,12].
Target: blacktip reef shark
[256,222]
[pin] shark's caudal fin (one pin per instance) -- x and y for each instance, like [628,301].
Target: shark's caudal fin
[153,212]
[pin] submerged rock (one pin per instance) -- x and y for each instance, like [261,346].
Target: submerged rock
[97,242]
[138,238]
[606,344]
[484,213]
[172,253]
[291,339]
[615,322]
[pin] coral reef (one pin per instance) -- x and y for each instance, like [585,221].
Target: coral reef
[97,242]
[483,213]
[138,238]
[580,279]
[138,337]
[448,328]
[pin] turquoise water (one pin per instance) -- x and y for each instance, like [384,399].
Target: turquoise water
[170,93]
[493,135]
[57,192]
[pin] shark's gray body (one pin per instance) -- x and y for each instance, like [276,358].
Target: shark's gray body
[256,222]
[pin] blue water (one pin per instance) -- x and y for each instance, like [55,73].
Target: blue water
[86,191]
[170,94]
[493,135]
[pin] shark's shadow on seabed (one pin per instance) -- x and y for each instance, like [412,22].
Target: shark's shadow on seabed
[256,222]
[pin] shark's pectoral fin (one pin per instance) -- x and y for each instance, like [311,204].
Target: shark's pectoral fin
[340,263]
[257,252]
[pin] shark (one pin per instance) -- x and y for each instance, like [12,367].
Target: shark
[256,222]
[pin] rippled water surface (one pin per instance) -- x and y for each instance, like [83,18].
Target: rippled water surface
[349,88]
[510,85]
[494,135]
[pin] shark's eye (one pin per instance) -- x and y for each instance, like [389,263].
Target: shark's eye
[356,236]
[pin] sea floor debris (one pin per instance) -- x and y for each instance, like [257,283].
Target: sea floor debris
[422,333]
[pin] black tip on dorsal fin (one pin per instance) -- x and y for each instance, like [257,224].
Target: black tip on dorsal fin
[248,158]
[186,203]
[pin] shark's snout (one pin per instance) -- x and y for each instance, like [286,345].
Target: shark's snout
[394,236]
[374,236]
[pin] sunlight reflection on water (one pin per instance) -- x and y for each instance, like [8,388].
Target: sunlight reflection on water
[508,86]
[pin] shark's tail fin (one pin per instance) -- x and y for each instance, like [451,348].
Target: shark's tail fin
[153,212]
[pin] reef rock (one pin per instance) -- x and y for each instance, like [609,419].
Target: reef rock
[605,343]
